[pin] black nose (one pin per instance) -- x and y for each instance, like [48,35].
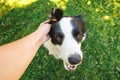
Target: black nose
[74,59]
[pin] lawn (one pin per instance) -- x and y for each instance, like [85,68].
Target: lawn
[101,49]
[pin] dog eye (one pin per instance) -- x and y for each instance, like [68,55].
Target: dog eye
[58,37]
[77,35]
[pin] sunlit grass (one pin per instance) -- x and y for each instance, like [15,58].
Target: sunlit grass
[100,49]
[97,9]
[106,17]
[60,3]
[89,2]
[19,3]
[7,5]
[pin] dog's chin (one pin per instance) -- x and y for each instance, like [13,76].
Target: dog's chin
[70,67]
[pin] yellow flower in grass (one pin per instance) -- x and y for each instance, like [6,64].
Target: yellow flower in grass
[97,9]
[89,2]
[106,17]
[60,3]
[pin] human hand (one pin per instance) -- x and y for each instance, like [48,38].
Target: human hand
[43,31]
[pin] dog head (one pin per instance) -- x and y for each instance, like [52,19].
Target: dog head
[67,34]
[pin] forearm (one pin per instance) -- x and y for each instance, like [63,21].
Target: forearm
[16,56]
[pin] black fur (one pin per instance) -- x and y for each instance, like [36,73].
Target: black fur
[78,28]
[56,14]
[56,34]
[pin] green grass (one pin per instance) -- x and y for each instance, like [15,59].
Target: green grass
[101,48]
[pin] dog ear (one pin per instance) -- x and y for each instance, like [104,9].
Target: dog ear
[78,17]
[56,14]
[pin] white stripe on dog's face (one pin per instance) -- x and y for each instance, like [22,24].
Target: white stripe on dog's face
[69,45]
[67,34]
[66,38]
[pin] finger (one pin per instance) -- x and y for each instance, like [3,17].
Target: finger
[46,21]
[47,38]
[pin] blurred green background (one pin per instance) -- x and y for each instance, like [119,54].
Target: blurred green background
[101,49]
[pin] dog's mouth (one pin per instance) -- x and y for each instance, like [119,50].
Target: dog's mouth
[70,67]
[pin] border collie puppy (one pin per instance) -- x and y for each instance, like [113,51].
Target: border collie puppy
[67,34]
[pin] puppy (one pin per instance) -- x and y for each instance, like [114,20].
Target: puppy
[67,34]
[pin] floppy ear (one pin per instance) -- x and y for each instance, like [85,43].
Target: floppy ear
[56,14]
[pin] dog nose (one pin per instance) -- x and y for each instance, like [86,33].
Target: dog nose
[74,59]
